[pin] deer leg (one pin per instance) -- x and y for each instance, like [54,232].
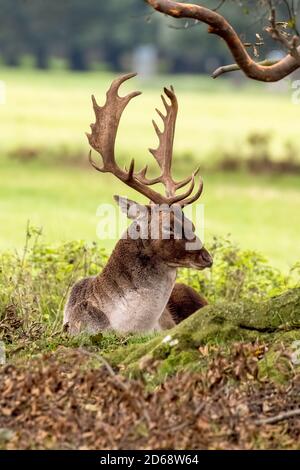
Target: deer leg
[183,302]
[166,320]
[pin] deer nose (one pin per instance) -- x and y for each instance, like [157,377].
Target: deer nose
[206,257]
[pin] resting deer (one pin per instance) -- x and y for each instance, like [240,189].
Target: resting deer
[136,291]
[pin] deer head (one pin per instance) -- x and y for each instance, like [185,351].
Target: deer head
[161,225]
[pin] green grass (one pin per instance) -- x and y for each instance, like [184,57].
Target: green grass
[50,111]
[260,213]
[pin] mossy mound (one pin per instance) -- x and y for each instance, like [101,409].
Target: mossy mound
[275,322]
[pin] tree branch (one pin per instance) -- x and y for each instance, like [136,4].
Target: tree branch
[218,25]
[279,417]
[234,67]
[290,44]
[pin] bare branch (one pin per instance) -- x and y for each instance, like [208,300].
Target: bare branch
[234,67]
[218,25]
[221,3]
[280,417]
[277,32]
[292,15]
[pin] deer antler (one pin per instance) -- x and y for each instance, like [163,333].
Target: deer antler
[164,153]
[103,136]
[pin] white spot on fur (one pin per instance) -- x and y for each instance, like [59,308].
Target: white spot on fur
[139,311]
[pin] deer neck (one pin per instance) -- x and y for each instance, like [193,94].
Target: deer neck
[136,287]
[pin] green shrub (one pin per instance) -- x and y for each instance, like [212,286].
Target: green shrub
[35,283]
[239,274]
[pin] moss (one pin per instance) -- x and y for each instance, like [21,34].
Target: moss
[275,322]
[133,352]
[218,324]
[277,364]
[179,361]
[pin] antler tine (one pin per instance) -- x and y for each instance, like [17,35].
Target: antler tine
[141,175]
[103,135]
[104,130]
[187,180]
[102,139]
[102,170]
[184,195]
[181,198]
[163,154]
[195,196]
[114,88]
[130,173]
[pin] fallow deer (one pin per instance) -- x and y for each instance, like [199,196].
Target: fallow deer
[136,291]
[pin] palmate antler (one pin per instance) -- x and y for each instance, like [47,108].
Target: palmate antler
[103,136]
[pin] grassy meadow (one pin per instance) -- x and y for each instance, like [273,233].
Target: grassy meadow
[43,152]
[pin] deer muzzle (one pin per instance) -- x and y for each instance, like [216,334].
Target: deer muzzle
[205,259]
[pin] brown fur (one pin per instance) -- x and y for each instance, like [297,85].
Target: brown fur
[134,288]
[133,291]
[184,301]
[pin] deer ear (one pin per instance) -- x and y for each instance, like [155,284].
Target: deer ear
[132,209]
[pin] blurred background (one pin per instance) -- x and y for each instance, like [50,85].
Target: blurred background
[244,135]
